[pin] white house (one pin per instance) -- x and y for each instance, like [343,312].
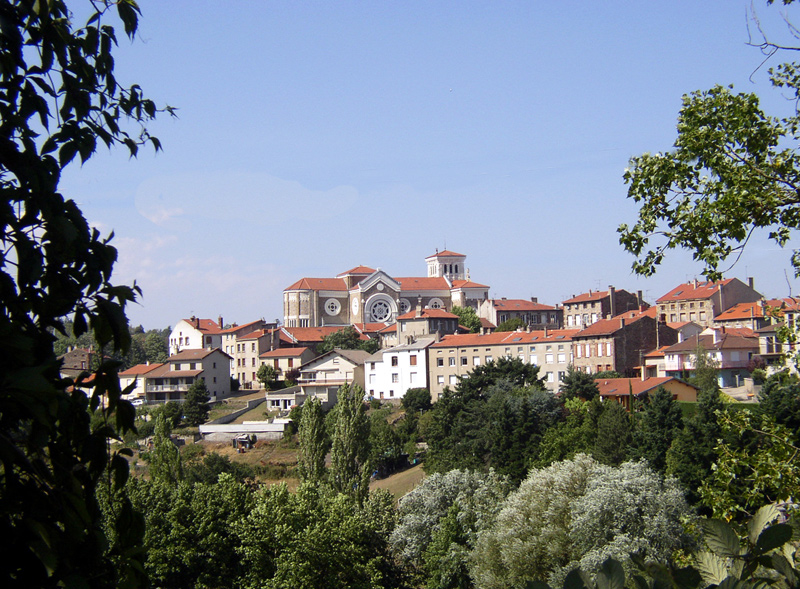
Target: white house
[136,375]
[195,333]
[171,380]
[323,376]
[390,373]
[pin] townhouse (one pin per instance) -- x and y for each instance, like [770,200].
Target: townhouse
[391,372]
[171,380]
[195,333]
[701,302]
[456,355]
[322,376]
[587,308]
[535,315]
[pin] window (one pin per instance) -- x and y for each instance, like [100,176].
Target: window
[488,359]
[508,351]
[561,375]
[550,377]
[439,361]
[562,358]
[578,351]
[440,379]
[476,361]
[413,359]
[336,360]
[395,377]
[453,379]
[548,358]
[534,359]
[452,362]
[253,347]
[464,360]
[371,379]
[391,393]
[702,315]
[289,362]
[276,363]
[254,362]
[394,360]
[412,377]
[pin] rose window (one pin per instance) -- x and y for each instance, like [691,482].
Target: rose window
[380,311]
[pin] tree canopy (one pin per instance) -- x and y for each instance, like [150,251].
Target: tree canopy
[467,317]
[347,338]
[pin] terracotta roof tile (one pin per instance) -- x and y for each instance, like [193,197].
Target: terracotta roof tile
[284,353]
[445,254]
[468,284]
[614,387]
[691,291]
[140,369]
[311,334]
[609,326]
[423,283]
[428,313]
[519,305]
[357,270]
[505,337]
[595,295]
[204,325]
[318,284]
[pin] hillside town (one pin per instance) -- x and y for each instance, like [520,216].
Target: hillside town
[421,342]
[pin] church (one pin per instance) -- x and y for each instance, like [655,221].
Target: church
[365,295]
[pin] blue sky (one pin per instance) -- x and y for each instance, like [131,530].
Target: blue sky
[312,137]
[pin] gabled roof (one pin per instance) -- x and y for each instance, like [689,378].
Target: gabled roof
[357,357]
[318,284]
[695,290]
[284,353]
[204,325]
[595,295]
[725,341]
[746,310]
[371,327]
[164,371]
[428,314]
[615,324]
[310,334]
[445,254]
[505,338]
[423,283]
[140,369]
[246,326]
[487,324]
[195,354]
[468,284]
[613,387]
[366,270]
[258,333]
[519,305]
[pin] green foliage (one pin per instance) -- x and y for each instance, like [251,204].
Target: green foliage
[164,459]
[212,466]
[310,539]
[579,512]
[756,464]
[59,98]
[464,429]
[416,400]
[313,443]
[347,338]
[385,443]
[173,413]
[350,470]
[705,375]
[439,521]
[578,384]
[613,434]
[267,375]
[780,399]
[512,325]
[606,374]
[196,406]
[467,317]
[657,426]
[575,435]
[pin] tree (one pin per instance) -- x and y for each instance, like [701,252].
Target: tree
[350,470]
[196,406]
[347,338]
[579,512]
[467,317]
[266,375]
[613,434]
[656,427]
[164,459]
[512,325]
[578,384]
[313,446]
[59,97]
[780,399]
[416,400]
[155,347]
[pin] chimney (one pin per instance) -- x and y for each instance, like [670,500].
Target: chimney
[716,336]
[621,322]
[534,299]
[695,282]
[419,307]
[221,324]
[545,331]
[750,282]
[639,299]
[196,323]
[611,292]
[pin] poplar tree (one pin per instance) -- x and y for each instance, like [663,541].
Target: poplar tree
[350,448]
[312,442]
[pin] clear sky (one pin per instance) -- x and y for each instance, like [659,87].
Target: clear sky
[313,137]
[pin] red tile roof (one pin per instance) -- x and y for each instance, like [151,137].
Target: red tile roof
[692,291]
[746,310]
[468,284]
[504,337]
[164,371]
[258,333]
[588,296]
[311,334]
[140,369]
[236,328]
[428,314]
[204,325]
[487,324]
[318,284]
[613,387]
[725,341]
[423,283]
[284,353]
[519,305]
[357,270]
[445,253]
[613,325]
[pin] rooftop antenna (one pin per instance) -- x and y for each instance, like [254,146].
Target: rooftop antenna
[787,282]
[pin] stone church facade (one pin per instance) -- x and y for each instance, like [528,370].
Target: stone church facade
[365,295]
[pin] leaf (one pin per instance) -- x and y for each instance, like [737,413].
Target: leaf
[711,567]
[611,575]
[765,515]
[720,538]
[578,579]
[774,537]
